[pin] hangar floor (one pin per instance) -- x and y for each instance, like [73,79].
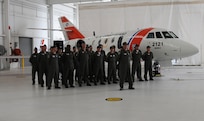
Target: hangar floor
[176,96]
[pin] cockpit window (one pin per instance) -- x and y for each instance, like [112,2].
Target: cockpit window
[158,35]
[166,34]
[150,35]
[172,34]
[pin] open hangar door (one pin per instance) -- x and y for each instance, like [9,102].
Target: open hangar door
[186,19]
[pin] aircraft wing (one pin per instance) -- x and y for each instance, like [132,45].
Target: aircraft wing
[50,29]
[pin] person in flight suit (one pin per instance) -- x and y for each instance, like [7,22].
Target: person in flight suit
[136,63]
[83,58]
[124,66]
[111,58]
[91,56]
[147,57]
[68,62]
[98,66]
[60,54]
[34,61]
[42,60]
[53,68]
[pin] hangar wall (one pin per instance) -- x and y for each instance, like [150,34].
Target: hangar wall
[186,19]
[26,14]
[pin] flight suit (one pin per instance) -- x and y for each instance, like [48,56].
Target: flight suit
[60,63]
[53,70]
[42,60]
[34,61]
[136,64]
[147,57]
[91,70]
[104,57]
[83,58]
[111,58]
[98,67]
[76,66]
[124,68]
[68,62]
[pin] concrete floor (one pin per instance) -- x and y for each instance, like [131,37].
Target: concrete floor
[176,96]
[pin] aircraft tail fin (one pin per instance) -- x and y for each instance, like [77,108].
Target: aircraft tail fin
[71,32]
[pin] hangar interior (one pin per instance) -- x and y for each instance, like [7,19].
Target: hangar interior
[177,95]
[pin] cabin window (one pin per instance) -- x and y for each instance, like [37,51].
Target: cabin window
[93,42]
[112,40]
[99,42]
[150,35]
[120,39]
[106,41]
[158,35]
[166,34]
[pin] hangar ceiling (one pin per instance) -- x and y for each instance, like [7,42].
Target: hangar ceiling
[73,1]
[85,1]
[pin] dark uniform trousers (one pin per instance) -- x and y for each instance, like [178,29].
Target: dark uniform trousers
[147,57]
[34,61]
[42,59]
[124,68]
[98,67]
[91,69]
[68,62]
[136,65]
[60,65]
[76,67]
[112,61]
[104,56]
[53,70]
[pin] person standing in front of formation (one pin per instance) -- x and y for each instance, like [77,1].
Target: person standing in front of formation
[83,58]
[68,62]
[34,61]
[147,57]
[53,68]
[42,60]
[124,66]
[136,63]
[111,58]
[98,66]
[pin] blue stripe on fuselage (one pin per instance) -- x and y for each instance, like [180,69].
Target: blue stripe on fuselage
[130,40]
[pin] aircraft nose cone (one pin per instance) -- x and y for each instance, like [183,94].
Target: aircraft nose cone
[188,50]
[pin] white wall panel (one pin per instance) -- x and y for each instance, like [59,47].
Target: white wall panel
[185,19]
[23,17]
[1,28]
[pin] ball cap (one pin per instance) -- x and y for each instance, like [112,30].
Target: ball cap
[148,47]
[125,43]
[99,46]
[136,45]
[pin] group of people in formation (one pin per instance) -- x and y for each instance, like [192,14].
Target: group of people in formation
[87,67]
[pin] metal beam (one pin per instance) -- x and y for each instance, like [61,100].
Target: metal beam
[67,1]
[6,28]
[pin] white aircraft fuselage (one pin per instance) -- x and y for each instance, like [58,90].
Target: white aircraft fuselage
[164,44]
